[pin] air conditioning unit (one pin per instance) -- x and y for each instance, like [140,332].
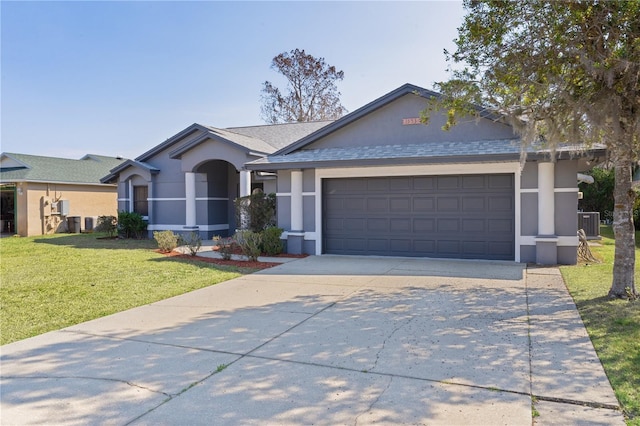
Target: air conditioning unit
[590,223]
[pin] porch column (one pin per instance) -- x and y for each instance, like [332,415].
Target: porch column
[150,197]
[546,241]
[245,183]
[190,198]
[130,206]
[296,234]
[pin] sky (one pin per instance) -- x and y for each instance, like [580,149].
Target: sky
[119,77]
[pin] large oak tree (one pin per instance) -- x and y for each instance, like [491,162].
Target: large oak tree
[311,92]
[561,72]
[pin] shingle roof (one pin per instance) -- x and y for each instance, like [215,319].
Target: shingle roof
[35,168]
[463,151]
[265,139]
[280,135]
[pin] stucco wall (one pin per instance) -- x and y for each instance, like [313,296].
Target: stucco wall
[385,126]
[84,201]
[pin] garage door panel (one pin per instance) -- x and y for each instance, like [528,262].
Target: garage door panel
[500,181]
[377,245]
[424,225]
[448,183]
[381,185]
[354,224]
[355,244]
[424,246]
[401,205]
[448,225]
[400,184]
[333,225]
[400,245]
[423,183]
[473,182]
[424,204]
[353,204]
[474,247]
[474,204]
[448,247]
[377,205]
[474,226]
[466,216]
[378,225]
[448,204]
[400,225]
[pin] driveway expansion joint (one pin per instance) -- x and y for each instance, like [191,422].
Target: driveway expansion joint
[71,377]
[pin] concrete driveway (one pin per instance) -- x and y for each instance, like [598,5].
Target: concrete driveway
[325,340]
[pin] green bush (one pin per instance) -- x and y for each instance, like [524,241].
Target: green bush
[167,240]
[108,224]
[193,242]
[249,243]
[256,211]
[131,225]
[271,243]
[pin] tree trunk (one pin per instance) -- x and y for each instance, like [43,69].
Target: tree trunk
[624,263]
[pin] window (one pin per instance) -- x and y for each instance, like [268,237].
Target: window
[140,204]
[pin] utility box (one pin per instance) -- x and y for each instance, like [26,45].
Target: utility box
[63,207]
[590,223]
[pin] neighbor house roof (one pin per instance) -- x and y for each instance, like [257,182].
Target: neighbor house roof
[35,168]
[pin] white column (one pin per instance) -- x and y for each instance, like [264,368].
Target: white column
[130,196]
[245,183]
[546,199]
[150,202]
[296,200]
[190,195]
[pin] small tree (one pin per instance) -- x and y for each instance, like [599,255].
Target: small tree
[256,211]
[311,92]
[108,224]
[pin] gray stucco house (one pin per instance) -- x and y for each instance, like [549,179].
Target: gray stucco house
[375,182]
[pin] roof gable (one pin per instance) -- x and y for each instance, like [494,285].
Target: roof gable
[406,90]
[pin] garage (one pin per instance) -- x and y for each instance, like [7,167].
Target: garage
[467,216]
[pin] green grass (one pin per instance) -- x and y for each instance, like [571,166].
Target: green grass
[613,325]
[51,282]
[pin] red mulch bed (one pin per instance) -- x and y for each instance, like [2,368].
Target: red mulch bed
[235,263]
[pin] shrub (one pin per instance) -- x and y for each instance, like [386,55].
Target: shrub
[131,225]
[226,247]
[256,211]
[108,224]
[249,243]
[193,242]
[166,240]
[271,243]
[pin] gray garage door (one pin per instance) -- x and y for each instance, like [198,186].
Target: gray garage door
[465,216]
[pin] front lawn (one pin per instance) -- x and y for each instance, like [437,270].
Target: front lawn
[52,282]
[613,325]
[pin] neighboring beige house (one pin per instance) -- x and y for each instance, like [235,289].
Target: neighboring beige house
[39,194]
